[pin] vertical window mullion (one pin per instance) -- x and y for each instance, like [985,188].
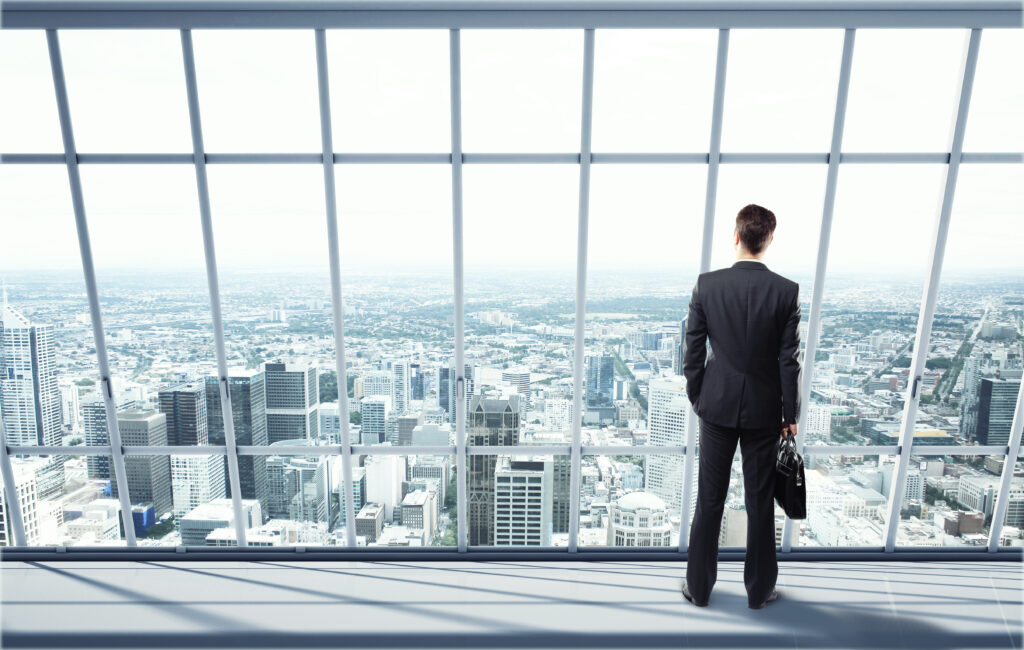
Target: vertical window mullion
[586,123]
[710,196]
[92,293]
[455,58]
[814,318]
[330,203]
[209,253]
[931,288]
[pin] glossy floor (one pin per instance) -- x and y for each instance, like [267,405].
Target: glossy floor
[634,604]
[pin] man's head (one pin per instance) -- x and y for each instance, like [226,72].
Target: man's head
[754,231]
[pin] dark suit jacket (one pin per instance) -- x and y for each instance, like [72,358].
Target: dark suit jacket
[751,316]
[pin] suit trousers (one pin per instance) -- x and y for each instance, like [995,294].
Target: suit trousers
[758,448]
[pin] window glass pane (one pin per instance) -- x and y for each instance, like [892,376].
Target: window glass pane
[258,90]
[47,357]
[997,98]
[847,500]
[653,90]
[399,501]
[780,90]
[399,301]
[520,250]
[126,90]
[903,89]
[272,253]
[644,253]
[390,90]
[878,257]
[518,500]
[971,381]
[30,124]
[521,90]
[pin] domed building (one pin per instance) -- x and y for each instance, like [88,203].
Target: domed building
[639,519]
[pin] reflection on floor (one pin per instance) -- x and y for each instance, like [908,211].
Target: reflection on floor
[503,605]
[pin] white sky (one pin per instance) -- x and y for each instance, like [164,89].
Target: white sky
[521,93]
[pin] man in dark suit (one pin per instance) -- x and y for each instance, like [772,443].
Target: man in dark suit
[745,389]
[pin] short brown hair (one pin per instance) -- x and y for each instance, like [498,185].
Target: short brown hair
[755,225]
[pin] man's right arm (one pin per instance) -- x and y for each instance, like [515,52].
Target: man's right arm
[695,345]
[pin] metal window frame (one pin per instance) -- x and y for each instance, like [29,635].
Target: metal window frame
[454,15]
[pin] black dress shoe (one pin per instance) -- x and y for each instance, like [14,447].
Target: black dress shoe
[772,596]
[689,597]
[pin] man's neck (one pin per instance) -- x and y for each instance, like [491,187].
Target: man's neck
[753,258]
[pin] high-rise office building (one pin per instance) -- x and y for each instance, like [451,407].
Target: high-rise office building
[249,415]
[489,422]
[297,486]
[600,380]
[448,378]
[94,429]
[997,399]
[28,499]
[195,480]
[522,501]
[667,410]
[30,401]
[417,381]
[374,413]
[378,382]
[292,398]
[519,376]
[406,424]
[384,476]
[561,472]
[400,386]
[148,477]
[185,408]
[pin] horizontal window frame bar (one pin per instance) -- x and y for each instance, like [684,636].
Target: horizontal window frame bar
[522,14]
[482,553]
[638,158]
[485,450]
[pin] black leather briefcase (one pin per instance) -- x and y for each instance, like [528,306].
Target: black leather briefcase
[790,489]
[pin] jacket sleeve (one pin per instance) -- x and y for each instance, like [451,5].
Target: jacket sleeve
[790,370]
[695,345]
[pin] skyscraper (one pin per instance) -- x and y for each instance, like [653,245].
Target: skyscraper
[448,370]
[522,501]
[667,411]
[417,381]
[185,408]
[600,380]
[400,386]
[374,413]
[489,422]
[292,398]
[519,376]
[149,477]
[195,480]
[29,396]
[249,415]
[997,399]
[94,427]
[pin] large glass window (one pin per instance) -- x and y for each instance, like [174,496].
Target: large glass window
[653,89]
[28,125]
[780,90]
[126,90]
[521,90]
[258,90]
